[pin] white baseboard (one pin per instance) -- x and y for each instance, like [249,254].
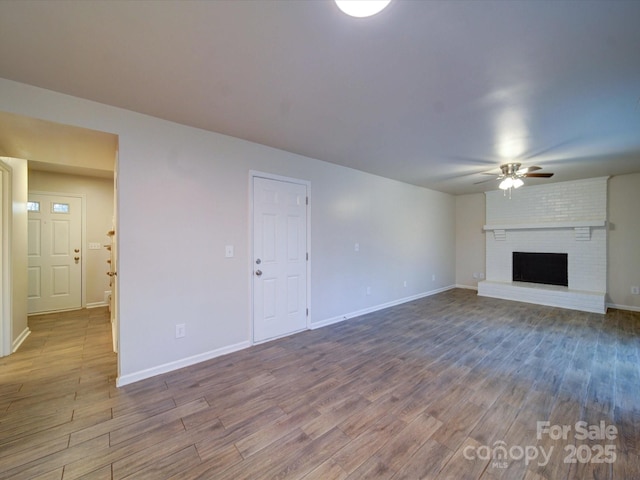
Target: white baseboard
[347,316]
[185,362]
[631,308]
[467,287]
[21,338]
[97,304]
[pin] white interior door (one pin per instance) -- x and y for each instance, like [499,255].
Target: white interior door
[55,253]
[279,258]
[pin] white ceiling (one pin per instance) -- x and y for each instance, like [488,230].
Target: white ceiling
[427,92]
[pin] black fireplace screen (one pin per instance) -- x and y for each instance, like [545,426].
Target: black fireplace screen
[548,268]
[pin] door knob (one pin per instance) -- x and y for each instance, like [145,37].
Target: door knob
[76,259]
[77,250]
[258,272]
[258,261]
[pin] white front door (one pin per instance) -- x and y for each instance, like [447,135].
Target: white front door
[54,251]
[279,258]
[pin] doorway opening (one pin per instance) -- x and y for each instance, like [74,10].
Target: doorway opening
[81,163]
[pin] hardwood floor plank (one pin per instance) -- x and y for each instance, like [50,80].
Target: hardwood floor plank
[263,437]
[133,430]
[331,418]
[58,459]
[461,468]
[272,456]
[52,475]
[395,453]
[222,438]
[224,458]
[311,455]
[328,470]
[425,463]
[159,463]
[458,422]
[367,444]
[26,453]
[113,424]
[172,435]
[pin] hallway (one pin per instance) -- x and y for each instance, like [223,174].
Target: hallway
[60,381]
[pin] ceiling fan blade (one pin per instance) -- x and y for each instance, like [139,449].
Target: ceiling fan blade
[539,175]
[532,168]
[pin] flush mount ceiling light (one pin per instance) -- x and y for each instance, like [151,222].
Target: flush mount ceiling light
[362,8]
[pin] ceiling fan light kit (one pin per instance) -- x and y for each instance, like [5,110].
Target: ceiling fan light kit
[510,182]
[512,175]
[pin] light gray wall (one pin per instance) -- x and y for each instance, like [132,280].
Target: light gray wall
[183,194]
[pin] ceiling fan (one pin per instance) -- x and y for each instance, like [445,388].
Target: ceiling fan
[512,174]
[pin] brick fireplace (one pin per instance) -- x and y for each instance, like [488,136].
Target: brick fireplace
[566,218]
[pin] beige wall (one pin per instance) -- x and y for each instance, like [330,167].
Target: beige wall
[99,216]
[470,239]
[624,241]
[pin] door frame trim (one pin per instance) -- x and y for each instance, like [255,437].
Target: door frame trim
[6,275]
[83,236]
[270,176]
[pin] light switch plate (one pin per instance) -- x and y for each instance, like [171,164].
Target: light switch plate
[94,246]
[228,251]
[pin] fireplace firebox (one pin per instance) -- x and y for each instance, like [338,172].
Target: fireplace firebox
[546,268]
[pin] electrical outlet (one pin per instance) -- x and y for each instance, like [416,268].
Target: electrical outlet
[635,290]
[356,247]
[181,330]
[433,277]
[405,283]
[368,290]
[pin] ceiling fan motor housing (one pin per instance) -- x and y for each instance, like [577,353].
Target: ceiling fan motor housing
[510,169]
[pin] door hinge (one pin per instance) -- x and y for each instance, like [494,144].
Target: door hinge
[307,200]
[307,256]
[307,312]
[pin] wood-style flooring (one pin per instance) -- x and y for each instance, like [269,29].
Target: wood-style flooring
[449,386]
